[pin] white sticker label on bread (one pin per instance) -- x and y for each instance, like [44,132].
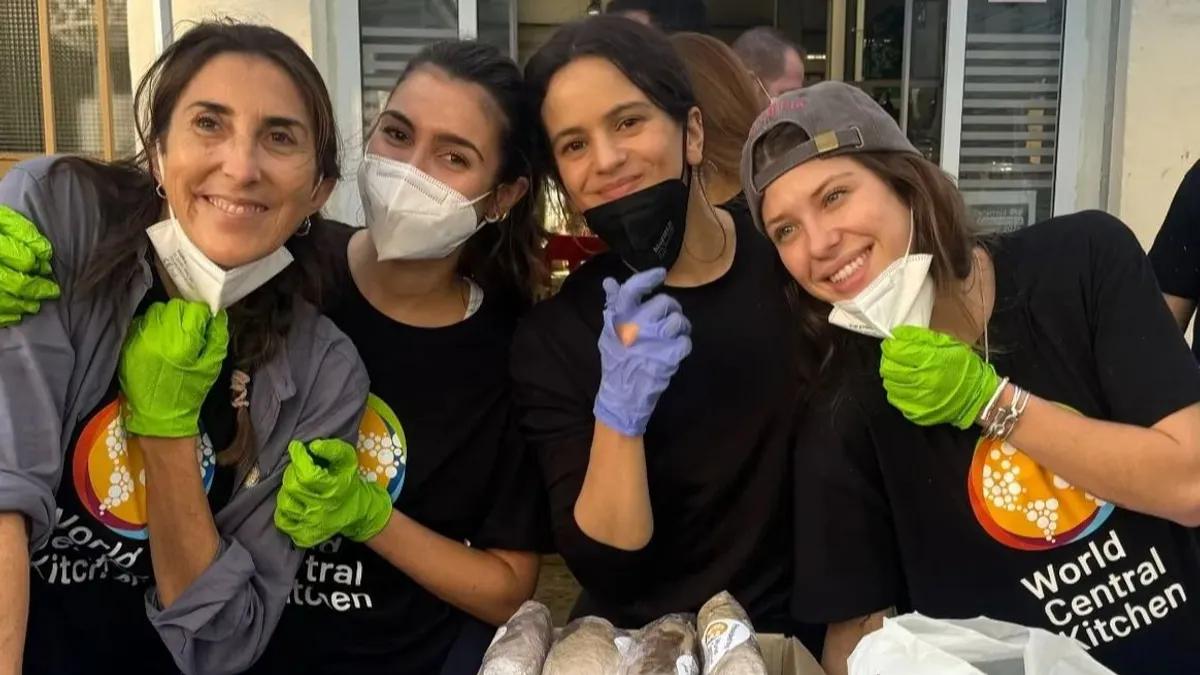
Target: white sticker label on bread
[720,636]
[686,665]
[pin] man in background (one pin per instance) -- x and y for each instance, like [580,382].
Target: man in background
[775,61]
[669,16]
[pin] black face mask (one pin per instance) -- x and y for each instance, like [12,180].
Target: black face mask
[646,227]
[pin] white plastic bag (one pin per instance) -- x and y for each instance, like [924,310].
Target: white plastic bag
[913,643]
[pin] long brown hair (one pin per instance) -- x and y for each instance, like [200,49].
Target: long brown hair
[505,257]
[730,100]
[259,323]
[942,226]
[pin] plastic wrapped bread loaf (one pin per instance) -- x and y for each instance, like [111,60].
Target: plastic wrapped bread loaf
[521,645]
[666,646]
[727,638]
[587,646]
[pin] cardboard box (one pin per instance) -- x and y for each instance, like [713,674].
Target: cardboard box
[786,656]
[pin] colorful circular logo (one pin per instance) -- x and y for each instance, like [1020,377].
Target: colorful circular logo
[110,476]
[382,449]
[1022,505]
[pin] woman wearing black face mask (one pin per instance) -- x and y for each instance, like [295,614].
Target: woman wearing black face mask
[665,469]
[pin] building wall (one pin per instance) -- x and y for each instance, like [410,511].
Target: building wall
[1156,127]
[293,17]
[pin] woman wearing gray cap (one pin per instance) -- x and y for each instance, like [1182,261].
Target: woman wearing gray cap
[984,405]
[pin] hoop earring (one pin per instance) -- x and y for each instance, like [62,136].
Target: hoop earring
[305,228]
[158,190]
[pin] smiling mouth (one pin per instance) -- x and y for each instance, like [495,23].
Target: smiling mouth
[619,188]
[234,208]
[850,268]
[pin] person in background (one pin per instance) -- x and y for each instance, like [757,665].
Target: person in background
[645,12]
[146,415]
[657,388]
[1007,427]
[668,16]
[1176,253]
[775,61]
[730,99]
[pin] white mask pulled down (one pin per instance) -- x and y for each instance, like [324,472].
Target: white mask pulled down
[412,215]
[902,295]
[198,278]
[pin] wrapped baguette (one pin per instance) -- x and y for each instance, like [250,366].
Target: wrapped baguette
[727,637]
[666,646]
[587,646]
[521,644]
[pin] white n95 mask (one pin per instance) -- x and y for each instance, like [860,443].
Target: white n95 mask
[201,280]
[902,295]
[412,215]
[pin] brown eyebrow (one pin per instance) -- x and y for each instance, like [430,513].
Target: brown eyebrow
[443,137]
[270,121]
[819,189]
[825,183]
[615,111]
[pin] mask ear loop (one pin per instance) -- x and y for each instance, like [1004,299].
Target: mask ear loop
[162,179]
[306,226]
[703,193]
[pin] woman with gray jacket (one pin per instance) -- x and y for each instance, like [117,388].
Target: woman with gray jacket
[146,414]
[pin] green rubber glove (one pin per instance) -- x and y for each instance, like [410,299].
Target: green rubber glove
[323,495]
[935,379]
[171,358]
[25,275]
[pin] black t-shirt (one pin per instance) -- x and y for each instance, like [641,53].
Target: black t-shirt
[717,446]
[953,525]
[439,435]
[1176,251]
[97,565]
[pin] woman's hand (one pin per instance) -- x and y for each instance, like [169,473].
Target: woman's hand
[641,347]
[935,379]
[171,359]
[322,495]
[25,276]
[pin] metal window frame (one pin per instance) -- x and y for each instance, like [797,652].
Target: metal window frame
[955,76]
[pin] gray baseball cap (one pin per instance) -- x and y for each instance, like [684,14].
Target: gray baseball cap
[837,118]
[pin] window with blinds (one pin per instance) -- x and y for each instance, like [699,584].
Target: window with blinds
[1010,111]
[393,31]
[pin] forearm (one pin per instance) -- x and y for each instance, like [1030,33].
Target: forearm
[1181,309]
[483,584]
[1143,469]
[842,637]
[183,536]
[14,593]
[614,503]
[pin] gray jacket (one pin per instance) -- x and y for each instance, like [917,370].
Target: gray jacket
[56,366]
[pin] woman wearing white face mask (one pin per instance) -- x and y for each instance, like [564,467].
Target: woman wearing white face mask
[433,531]
[1024,444]
[145,415]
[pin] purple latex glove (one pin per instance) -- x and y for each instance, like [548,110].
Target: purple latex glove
[636,371]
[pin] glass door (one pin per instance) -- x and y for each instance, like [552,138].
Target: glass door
[1002,127]
[895,51]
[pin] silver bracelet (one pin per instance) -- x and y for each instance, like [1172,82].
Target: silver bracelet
[986,415]
[1007,417]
